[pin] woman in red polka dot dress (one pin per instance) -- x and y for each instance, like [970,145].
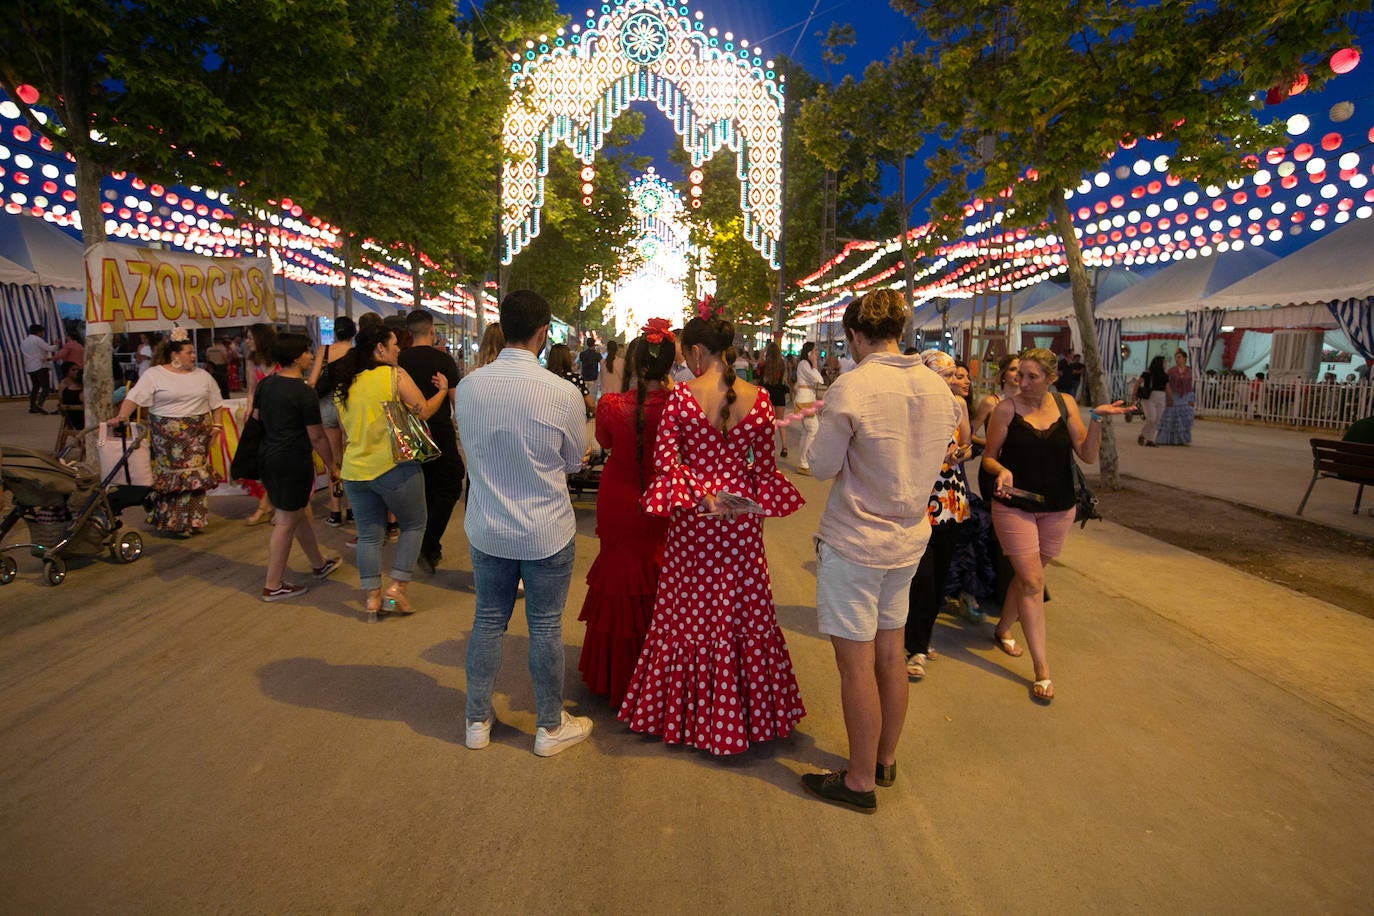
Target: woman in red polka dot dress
[714,672]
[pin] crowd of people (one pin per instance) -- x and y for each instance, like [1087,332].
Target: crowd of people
[682,636]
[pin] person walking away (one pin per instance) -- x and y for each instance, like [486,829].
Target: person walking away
[883,436]
[590,362]
[773,375]
[290,415]
[611,368]
[376,483]
[217,364]
[1032,437]
[523,430]
[37,354]
[1153,390]
[624,577]
[324,377]
[715,672]
[262,343]
[809,382]
[444,475]
[181,401]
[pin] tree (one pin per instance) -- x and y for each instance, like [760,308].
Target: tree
[578,242]
[879,121]
[154,89]
[1032,96]
[744,280]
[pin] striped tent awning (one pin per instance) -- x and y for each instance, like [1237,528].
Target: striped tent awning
[1356,318]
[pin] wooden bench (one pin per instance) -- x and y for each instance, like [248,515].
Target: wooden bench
[1349,461]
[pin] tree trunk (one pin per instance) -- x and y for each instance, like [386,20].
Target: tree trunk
[908,268]
[348,273]
[417,297]
[1083,312]
[99,375]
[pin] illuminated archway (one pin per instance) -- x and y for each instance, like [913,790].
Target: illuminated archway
[571,87]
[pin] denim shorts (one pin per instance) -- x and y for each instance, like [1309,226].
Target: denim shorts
[329,413]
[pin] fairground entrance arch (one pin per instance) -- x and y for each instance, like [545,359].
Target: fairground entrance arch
[571,87]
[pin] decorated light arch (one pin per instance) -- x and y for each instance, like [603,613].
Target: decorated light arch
[569,88]
[653,283]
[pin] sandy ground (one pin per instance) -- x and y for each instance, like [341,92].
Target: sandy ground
[170,744]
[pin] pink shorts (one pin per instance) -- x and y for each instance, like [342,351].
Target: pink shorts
[1028,533]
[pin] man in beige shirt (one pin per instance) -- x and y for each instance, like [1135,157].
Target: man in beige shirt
[882,436]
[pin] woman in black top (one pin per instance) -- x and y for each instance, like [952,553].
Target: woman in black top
[773,376]
[290,415]
[324,376]
[1153,390]
[1031,443]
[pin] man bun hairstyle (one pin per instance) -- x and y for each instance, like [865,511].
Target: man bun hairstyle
[878,315]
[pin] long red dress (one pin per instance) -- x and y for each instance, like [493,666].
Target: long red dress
[714,672]
[622,580]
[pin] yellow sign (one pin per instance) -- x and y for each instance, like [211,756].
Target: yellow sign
[142,289]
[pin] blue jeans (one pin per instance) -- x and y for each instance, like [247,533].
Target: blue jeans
[546,591]
[400,490]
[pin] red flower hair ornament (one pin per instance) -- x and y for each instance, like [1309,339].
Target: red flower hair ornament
[654,332]
[707,309]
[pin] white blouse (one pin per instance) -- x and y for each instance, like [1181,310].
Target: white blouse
[176,394]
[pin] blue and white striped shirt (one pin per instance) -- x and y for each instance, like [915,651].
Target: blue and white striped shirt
[523,431]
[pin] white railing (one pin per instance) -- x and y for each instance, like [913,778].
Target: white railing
[1291,402]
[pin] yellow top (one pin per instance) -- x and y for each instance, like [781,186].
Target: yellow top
[367,454]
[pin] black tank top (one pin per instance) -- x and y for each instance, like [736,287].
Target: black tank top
[1039,461]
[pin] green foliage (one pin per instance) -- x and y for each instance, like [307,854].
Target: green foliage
[577,243]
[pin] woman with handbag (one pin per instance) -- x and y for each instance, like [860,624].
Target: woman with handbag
[380,471]
[289,411]
[1032,439]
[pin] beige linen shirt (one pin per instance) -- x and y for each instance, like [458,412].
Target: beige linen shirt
[883,434]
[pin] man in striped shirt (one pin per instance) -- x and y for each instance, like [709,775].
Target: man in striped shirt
[523,431]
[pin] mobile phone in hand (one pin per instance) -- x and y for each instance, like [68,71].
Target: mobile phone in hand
[1018,493]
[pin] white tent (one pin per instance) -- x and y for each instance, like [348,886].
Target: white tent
[1111,282]
[1336,266]
[1182,285]
[47,255]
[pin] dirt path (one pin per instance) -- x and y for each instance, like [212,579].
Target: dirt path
[1313,559]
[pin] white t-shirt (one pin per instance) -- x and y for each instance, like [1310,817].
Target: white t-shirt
[37,353]
[176,394]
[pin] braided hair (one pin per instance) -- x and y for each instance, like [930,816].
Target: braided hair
[645,366]
[718,337]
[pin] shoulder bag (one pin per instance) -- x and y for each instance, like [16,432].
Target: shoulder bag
[410,438]
[1085,503]
[244,465]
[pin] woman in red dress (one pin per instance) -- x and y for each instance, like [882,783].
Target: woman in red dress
[622,580]
[714,672]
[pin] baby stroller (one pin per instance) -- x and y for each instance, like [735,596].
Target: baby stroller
[69,510]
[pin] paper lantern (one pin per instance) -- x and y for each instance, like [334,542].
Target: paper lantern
[1345,60]
[1341,112]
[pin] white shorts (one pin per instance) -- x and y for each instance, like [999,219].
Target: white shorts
[855,602]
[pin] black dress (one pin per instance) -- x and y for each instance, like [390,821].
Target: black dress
[286,407]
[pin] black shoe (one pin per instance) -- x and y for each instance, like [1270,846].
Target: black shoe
[335,520]
[425,563]
[886,774]
[830,787]
[46,413]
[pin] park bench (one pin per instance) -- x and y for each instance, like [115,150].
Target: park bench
[1349,461]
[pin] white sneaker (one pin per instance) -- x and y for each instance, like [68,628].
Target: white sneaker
[479,734]
[572,730]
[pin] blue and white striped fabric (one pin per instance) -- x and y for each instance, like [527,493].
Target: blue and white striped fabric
[523,431]
[1203,327]
[1107,331]
[20,306]
[1356,318]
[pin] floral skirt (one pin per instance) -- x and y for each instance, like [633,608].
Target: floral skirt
[182,473]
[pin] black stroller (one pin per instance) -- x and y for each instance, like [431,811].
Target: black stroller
[69,510]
